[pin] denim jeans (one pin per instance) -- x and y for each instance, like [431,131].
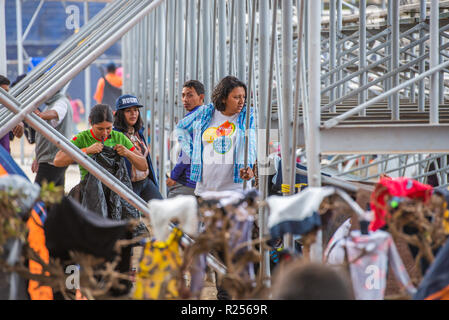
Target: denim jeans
[146,189]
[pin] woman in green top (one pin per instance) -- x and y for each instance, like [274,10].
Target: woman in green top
[101,134]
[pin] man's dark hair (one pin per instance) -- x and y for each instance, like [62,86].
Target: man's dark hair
[111,67]
[100,113]
[311,281]
[195,84]
[120,121]
[4,81]
[223,89]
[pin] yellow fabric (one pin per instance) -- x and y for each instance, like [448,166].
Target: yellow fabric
[285,188]
[156,277]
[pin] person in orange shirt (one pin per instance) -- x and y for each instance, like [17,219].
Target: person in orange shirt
[109,87]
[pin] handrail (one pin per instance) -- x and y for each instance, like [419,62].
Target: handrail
[403,166]
[426,174]
[356,46]
[383,12]
[374,163]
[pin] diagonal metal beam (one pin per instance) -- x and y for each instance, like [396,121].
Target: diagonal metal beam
[66,46]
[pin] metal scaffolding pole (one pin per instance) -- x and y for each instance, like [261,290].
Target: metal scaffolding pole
[279,84]
[395,58]
[222,31]
[287,105]
[152,94]
[20,63]
[314,114]
[124,54]
[241,40]
[133,65]
[441,76]
[264,66]
[250,86]
[206,61]
[186,30]
[434,51]
[363,79]
[264,121]
[19,33]
[231,39]
[332,48]
[313,141]
[180,55]
[197,71]
[172,65]
[306,28]
[146,48]
[422,49]
[162,46]
[412,74]
[140,54]
[389,49]
[339,47]
[296,102]
[87,83]
[192,39]
[214,47]
[3,64]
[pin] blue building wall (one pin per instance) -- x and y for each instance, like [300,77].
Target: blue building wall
[47,33]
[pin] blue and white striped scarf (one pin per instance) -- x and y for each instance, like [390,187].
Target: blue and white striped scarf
[197,122]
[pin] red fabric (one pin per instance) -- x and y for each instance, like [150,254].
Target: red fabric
[398,187]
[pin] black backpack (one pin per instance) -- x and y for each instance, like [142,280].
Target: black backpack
[110,93]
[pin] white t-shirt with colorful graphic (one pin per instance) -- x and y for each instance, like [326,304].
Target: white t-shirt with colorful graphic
[218,155]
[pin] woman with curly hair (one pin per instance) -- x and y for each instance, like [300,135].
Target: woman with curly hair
[217,150]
